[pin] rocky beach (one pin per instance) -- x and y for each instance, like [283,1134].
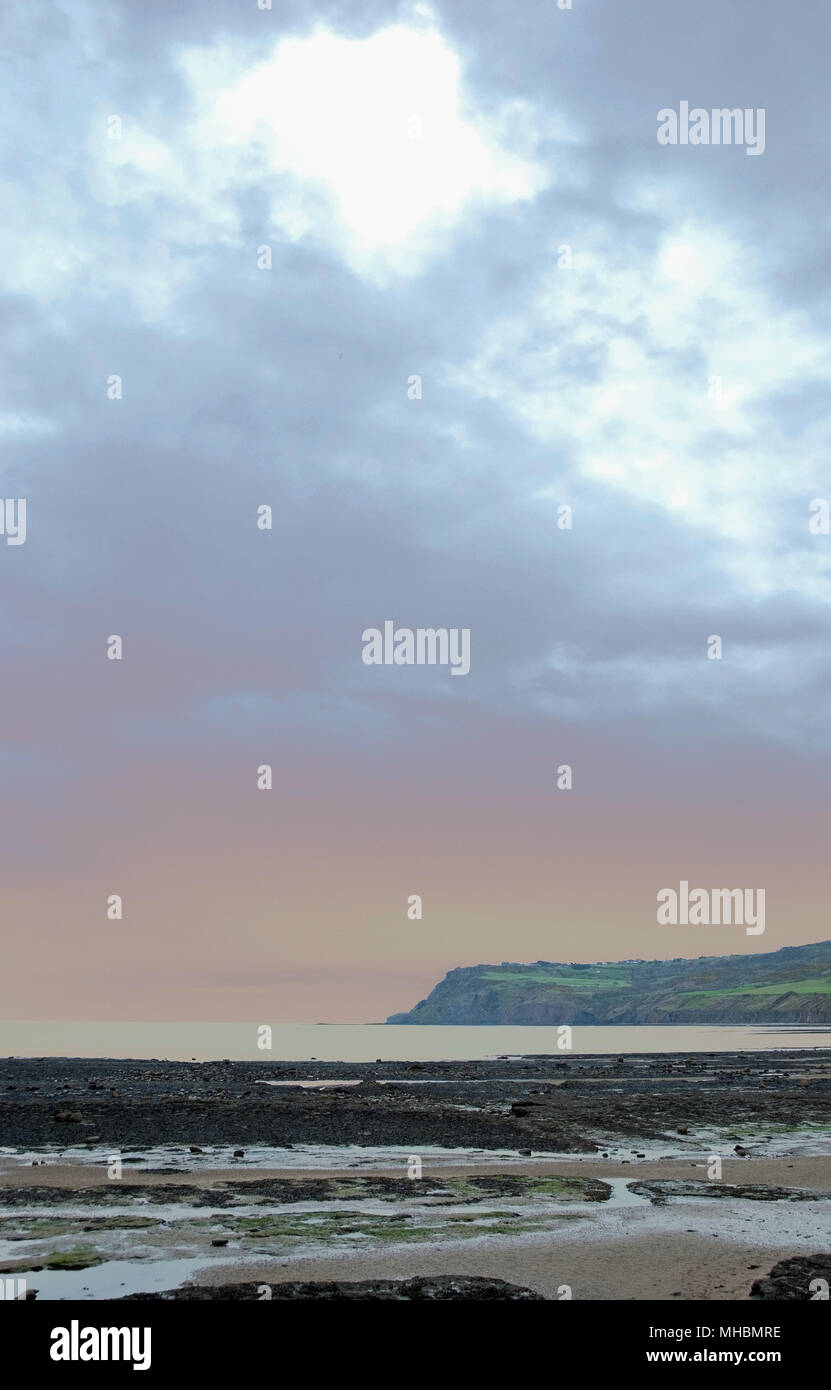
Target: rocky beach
[548,1103]
[691,1176]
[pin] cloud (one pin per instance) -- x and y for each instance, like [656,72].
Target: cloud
[372,148]
[659,370]
[373,137]
[398,247]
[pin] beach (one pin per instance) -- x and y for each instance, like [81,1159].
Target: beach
[681,1178]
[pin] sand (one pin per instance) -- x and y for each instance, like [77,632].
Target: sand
[704,1248]
[813,1171]
[634,1266]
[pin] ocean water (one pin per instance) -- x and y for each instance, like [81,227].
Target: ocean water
[368,1042]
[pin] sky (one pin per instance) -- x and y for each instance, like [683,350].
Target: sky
[417,277]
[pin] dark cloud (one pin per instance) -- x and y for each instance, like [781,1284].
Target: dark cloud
[289,387]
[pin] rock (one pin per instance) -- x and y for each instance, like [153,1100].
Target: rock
[195,1149]
[219,1242]
[659,1190]
[239,1153]
[525,1106]
[791,1279]
[442,1288]
[682,1129]
[525,1153]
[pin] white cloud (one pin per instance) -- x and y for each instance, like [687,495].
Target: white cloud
[683,352]
[365,142]
[368,147]
[365,146]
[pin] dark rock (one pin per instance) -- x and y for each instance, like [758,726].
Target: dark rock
[444,1288]
[791,1279]
[659,1190]
[176,1103]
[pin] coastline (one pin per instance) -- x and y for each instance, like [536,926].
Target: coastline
[551,1103]
[512,1182]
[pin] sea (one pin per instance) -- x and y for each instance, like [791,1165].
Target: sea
[370,1042]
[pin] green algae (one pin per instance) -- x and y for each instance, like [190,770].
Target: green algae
[41,1227]
[83,1257]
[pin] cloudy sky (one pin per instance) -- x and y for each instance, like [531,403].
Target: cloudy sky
[473,194]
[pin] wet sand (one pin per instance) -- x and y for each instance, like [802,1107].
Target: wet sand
[629,1248]
[810,1172]
[632,1266]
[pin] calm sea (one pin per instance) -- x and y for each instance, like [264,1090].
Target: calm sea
[368,1042]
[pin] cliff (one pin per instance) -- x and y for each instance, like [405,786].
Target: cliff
[792,985]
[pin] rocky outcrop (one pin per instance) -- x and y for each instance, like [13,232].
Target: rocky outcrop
[805,1277]
[469,1290]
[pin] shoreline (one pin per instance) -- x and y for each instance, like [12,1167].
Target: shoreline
[228,1184]
[550,1103]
